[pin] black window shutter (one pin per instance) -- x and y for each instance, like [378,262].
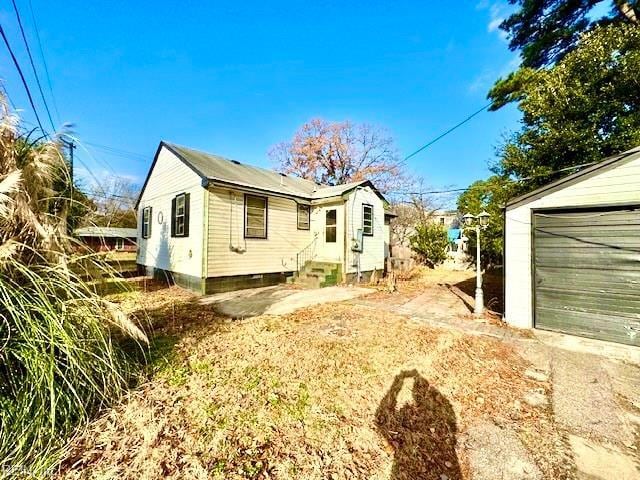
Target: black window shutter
[187,198]
[150,222]
[141,218]
[173,217]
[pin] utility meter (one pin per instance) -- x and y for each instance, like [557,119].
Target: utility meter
[356,243]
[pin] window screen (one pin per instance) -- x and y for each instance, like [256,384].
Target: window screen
[255,217]
[146,222]
[304,212]
[367,219]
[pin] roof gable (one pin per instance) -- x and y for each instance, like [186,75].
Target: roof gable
[600,167]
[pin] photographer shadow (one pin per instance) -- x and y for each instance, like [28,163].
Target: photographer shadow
[422,432]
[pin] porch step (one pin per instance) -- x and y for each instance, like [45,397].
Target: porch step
[319,274]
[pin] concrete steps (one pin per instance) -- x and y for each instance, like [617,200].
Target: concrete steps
[319,274]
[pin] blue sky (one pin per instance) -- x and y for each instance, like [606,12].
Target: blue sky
[234,78]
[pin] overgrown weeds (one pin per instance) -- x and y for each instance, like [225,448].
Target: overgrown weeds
[60,352]
[297,397]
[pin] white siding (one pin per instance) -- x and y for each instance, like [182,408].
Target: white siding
[170,177]
[229,253]
[617,185]
[373,247]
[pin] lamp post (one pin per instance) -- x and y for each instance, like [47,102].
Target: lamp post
[482,222]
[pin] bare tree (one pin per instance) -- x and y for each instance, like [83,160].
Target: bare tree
[415,207]
[115,201]
[341,152]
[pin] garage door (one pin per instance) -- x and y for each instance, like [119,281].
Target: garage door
[587,273]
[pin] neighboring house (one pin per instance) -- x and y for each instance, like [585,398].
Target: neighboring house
[215,224]
[107,239]
[572,253]
[447,218]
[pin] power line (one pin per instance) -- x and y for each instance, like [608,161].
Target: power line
[104,161]
[33,66]
[444,134]
[531,177]
[24,81]
[44,62]
[119,152]
[6,94]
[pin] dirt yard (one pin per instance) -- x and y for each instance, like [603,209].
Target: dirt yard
[334,391]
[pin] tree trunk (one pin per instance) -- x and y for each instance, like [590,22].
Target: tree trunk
[627,11]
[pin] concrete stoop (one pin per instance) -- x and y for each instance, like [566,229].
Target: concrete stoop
[319,274]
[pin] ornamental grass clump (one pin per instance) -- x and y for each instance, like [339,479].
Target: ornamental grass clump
[60,342]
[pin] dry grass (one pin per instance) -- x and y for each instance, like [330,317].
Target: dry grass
[334,391]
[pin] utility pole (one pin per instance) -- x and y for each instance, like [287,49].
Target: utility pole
[71,145]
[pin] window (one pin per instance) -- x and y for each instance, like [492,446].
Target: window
[330,226]
[367,220]
[146,222]
[442,220]
[304,212]
[119,243]
[255,217]
[180,215]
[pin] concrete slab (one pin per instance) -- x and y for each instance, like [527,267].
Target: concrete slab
[602,461]
[584,400]
[277,300]
[610,350]
[497,453]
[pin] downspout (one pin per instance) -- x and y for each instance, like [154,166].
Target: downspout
[205,237]
[504,262]
[344,246]
[357,254]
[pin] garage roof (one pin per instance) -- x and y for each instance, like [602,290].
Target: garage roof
[606,164]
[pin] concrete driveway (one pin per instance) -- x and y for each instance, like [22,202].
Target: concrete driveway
[592,388]
[277,300]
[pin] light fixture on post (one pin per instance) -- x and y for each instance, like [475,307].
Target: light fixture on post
[468,219]
[484,219]
[483,222]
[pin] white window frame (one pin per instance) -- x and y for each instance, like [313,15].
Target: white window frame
[333,227]
[119,244]
[179,228]
[146,222]
[265,217]
[367,229]
[307,209]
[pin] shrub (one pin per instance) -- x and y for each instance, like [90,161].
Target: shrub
[430,243]
[60,358]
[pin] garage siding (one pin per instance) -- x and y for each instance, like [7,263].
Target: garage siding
[614,186]
[587,273]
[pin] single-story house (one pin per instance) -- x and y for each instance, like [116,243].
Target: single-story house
[107,239]
[447,218]
[572,253]
[215,224]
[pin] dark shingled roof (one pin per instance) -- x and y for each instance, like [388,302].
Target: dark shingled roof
[220,170]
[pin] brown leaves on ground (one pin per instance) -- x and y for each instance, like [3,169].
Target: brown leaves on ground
[334,391]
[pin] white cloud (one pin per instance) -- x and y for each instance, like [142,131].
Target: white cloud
[494,24]
[497,13]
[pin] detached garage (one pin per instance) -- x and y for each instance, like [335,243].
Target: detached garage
[572,253]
